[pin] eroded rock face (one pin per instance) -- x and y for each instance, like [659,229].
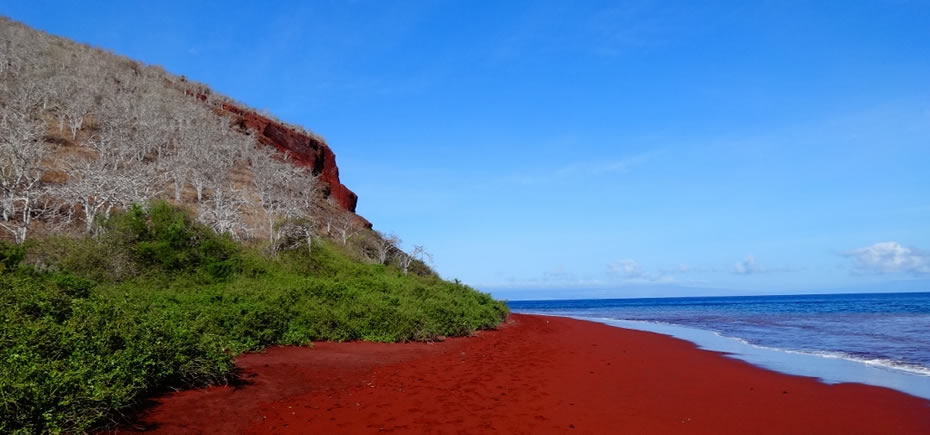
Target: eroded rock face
[303,150]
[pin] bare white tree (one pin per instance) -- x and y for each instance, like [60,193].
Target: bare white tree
[405,260]
[267,180]
[284,191]
[294,232]
[346,226]
[418,253]
[299,191]
[133,126]
[5,55]
[332,215]
[139,186]
[95,186]
[22,152]
[304,230]
[213,154]
[223,212]
[385,244]
[76,108]
[56,214]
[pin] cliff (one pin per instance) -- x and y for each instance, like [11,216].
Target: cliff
[303,149]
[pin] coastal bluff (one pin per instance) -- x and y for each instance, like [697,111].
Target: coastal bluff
[302,149]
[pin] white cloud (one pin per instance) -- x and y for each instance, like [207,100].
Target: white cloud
[628,269]
[889,257]
[751,266]
[748,266]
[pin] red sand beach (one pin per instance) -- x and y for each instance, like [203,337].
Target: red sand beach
[533,375]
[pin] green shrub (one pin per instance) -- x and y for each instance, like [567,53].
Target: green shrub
[168,239]
[92,326]
[73,286]
[11,255]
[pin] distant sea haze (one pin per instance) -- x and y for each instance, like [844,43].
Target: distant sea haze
[888,333]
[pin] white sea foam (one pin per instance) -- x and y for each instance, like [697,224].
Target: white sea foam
[876,362]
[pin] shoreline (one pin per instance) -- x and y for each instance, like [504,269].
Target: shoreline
[534,374]
[829,368]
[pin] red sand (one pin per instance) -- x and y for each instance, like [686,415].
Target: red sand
[534,375]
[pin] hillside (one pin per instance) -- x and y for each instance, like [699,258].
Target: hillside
[153,231]
[86,132]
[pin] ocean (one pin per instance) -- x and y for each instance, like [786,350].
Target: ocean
[878,339]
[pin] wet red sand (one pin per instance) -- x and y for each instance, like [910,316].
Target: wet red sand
[534,375]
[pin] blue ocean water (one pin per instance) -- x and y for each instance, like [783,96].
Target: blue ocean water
[880,339]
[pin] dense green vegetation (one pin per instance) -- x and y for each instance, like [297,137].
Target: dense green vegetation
[90,326]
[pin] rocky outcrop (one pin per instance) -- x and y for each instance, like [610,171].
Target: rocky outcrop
[303,149]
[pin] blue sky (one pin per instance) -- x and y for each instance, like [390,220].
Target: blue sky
[554,149]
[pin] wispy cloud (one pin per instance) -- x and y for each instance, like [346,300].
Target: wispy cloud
[565,28]
[617,30]
[750,266]
[889,257]
[557,277]
[580,170]
[626,268]
[541,283]
[682,269]
[615,167]
[630,271]
[618,166]
[559,273]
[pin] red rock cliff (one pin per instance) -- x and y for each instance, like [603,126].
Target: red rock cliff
[304,150]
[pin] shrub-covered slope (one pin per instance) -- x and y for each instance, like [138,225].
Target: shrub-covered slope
[156,300]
